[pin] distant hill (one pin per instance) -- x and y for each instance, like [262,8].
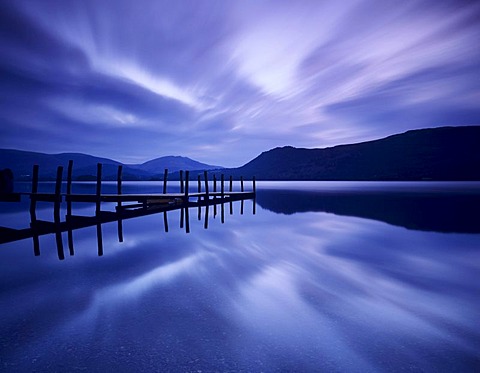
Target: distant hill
[444,153]
[85,166]
[173,163]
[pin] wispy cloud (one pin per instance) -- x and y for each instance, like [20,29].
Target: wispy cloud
[223,81]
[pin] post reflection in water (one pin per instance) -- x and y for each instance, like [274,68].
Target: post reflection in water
[69,228]
[317,280]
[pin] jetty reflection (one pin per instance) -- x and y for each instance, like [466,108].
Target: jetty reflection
[72,223]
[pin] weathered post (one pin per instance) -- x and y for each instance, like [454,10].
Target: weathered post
[165,221]
[231,190]
[214,196]
[58,195]
[33,197]
[181,181]
[254,195]
[99,239]
[70,242]
[69,206]
[222,213]
[119,204]
[222,186]
[199,197]
[207,207]
[165,177]
[98,193]
[182,217]
[69,187]
[97,209]
[58,239]
[56,213]
[119,181]
[205,175]
[187,220]
[33,207]
[187,177]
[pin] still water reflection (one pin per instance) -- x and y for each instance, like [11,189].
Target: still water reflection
[325,277]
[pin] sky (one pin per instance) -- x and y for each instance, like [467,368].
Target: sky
[222,81]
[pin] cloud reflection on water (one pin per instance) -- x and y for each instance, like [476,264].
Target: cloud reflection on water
[309,291]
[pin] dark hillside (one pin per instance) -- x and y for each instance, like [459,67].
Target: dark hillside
[446,153]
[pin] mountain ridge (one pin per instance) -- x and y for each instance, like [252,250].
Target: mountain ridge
[85,165]
[441,153]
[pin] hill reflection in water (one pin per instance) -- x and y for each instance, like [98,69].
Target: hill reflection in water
[438,207]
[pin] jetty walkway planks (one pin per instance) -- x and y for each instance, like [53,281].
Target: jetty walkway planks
[127,205]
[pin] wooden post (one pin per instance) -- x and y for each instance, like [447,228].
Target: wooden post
[58,196]
[69,186]
[214,196]
[56,213]
[70,242]
[181,181]
[99,239]
[207,207]
[119,204]
[205,175]
[187,177]
[241,183]
[254,196]
[187,220]
[222,185]
[99,189]
[165,177]
[231,189]
[58,239]
[222,207]
[165,221]
[199,198]
[33,207]
[185,201]
[69,206]
[33,199]
[119,180]
[182,217]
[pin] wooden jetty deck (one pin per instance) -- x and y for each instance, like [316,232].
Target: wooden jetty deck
[127,205]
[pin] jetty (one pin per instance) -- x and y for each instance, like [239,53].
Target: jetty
[121,206]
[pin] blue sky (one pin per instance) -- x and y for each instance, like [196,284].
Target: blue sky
[222,81]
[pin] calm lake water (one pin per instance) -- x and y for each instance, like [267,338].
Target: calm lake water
[325,276]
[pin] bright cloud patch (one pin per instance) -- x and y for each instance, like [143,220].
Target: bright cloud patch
[222,82]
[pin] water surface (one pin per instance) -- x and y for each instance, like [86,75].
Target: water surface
[324,277]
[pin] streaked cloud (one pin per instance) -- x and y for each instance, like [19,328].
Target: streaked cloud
[223,81]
